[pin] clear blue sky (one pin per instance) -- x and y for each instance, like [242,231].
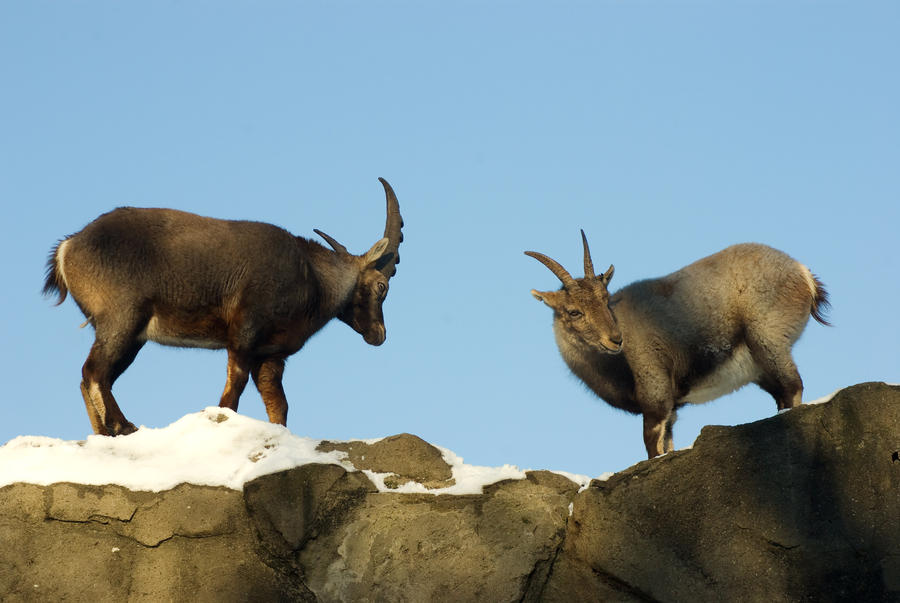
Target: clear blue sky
[667,130]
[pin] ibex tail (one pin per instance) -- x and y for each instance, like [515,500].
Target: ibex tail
[55,281]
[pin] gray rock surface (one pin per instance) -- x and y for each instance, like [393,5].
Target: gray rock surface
[803,506]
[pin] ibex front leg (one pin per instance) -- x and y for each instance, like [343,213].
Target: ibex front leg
[657,404]
[267,377]
[655,434]
[236,381]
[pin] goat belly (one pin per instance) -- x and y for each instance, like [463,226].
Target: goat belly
[734,372]
[202,333]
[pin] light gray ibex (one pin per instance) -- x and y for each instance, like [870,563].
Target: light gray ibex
[689,337]
[184,280]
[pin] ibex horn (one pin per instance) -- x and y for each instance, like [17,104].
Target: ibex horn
[588,264]
[393,231]
[334,244]
[554,267]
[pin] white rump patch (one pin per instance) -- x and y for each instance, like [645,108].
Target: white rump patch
[739,370]
[60,261]
[810,280]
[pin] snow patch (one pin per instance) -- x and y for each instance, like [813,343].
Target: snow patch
[214,447]
[821,400]
[583,481]
[828,398]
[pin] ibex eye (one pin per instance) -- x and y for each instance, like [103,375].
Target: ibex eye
[574,313]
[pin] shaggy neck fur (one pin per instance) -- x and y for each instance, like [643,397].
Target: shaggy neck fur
[337,275]
[607,375]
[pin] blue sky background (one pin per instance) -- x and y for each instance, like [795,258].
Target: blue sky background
[667,130]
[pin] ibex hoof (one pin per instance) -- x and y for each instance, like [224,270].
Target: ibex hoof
[122,429]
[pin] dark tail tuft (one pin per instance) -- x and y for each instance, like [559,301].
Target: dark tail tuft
[54,283]
[820,303]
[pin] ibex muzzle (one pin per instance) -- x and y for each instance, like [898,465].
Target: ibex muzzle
[582,306]
[185,280]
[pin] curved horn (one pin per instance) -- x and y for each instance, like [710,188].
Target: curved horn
[554,267]
[334,244]
[588,264]
[392,231]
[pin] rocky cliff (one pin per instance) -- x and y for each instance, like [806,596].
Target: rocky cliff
[803,506]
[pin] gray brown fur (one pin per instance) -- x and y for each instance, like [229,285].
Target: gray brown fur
[689,337]
[185,280]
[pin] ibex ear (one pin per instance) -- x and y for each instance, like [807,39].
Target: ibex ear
[607,276]
[377,250]
[548,297]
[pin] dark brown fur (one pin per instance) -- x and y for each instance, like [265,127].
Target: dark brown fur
[180,279]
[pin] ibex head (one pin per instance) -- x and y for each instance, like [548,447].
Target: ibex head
[364,313]
[581,306]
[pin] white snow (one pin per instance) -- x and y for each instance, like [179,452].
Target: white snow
[214,447]
[828,398]
[583,481]
[823,399]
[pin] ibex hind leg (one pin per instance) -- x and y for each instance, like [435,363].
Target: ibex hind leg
[110,355]
[778,374]
[267,377]
[94,416]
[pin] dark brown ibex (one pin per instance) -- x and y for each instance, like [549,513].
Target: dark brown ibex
[180,279]
[690,337]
